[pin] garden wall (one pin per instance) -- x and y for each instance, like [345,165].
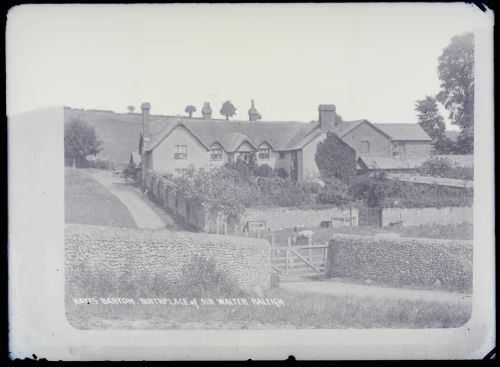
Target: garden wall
[402,261]
[114,253]
[277,218]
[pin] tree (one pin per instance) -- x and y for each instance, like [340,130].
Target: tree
[190,110]
[429,117]
[456,73]
[80,140]
[130,109]
[432,122]
[336,159]
[228,110]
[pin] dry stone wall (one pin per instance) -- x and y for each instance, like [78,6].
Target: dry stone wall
[115,253]
[393,261]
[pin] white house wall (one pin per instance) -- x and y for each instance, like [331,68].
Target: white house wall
[163,155]
[309,168]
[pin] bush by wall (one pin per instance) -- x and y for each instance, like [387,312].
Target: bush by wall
[423,263]
[107,261]
[443,167]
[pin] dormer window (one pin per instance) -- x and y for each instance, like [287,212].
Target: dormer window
[180,152]
[216,154]
[264,153]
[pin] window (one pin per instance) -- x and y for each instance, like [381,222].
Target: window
[264,153]
[398,148]
[216,154]
[180,152]
[365,146]
[282,155]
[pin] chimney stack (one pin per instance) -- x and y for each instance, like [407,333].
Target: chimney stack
[146,129]
[206,111]
[327,117]
[253,114]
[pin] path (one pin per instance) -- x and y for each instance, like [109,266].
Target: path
[144,216]
[339,288]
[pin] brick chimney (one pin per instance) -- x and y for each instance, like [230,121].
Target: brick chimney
[327,117]
[206,111]
[253,114]
[146,129]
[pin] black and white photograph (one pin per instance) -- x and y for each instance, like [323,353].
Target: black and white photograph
[275,179]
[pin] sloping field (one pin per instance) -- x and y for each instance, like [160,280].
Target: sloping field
[86,201]
[120,132]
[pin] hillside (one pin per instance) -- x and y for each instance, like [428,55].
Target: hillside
[120,132]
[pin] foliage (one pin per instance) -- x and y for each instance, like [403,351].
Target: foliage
[218,190]
[131,109]
[228,110]
[244,168]
[433,124]
[201,278]
[190,109]
[335,158]
[442,167]
[456,73]
[370,188]
[284,192]
[263,170]
[333,192]
[444,145]
[412,195]
[80,140]
[281,172]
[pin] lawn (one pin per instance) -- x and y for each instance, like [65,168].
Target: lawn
[296,311]
[86,201]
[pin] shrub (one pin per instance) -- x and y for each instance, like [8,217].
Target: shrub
[284,192]
[218,190]
[200,277]
[370,189]
[333,192]
[264,170]
[335,158]
[443,167]
[281,172]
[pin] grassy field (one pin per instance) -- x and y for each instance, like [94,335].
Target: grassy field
[88,202]
[322,235]
[297,311]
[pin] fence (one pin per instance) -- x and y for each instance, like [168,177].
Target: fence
[299,261]
[370,217]
[165,193]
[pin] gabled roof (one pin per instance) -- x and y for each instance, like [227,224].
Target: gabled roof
[404,131]
[346,126]
[284,135]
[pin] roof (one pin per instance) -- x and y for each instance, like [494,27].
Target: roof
[404,131]
[347,126]
[283,135]
[375,162]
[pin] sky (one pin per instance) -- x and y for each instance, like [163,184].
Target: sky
[373,61]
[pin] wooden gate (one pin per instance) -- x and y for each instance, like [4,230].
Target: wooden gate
[299,261]
[370,217]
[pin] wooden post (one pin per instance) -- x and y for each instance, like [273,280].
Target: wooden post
[287,255]
[272,239]
[217,224]
[225,227]
[326,259]
[258,234]
[246,233]
[350,216]
[309,251]
[235,229]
